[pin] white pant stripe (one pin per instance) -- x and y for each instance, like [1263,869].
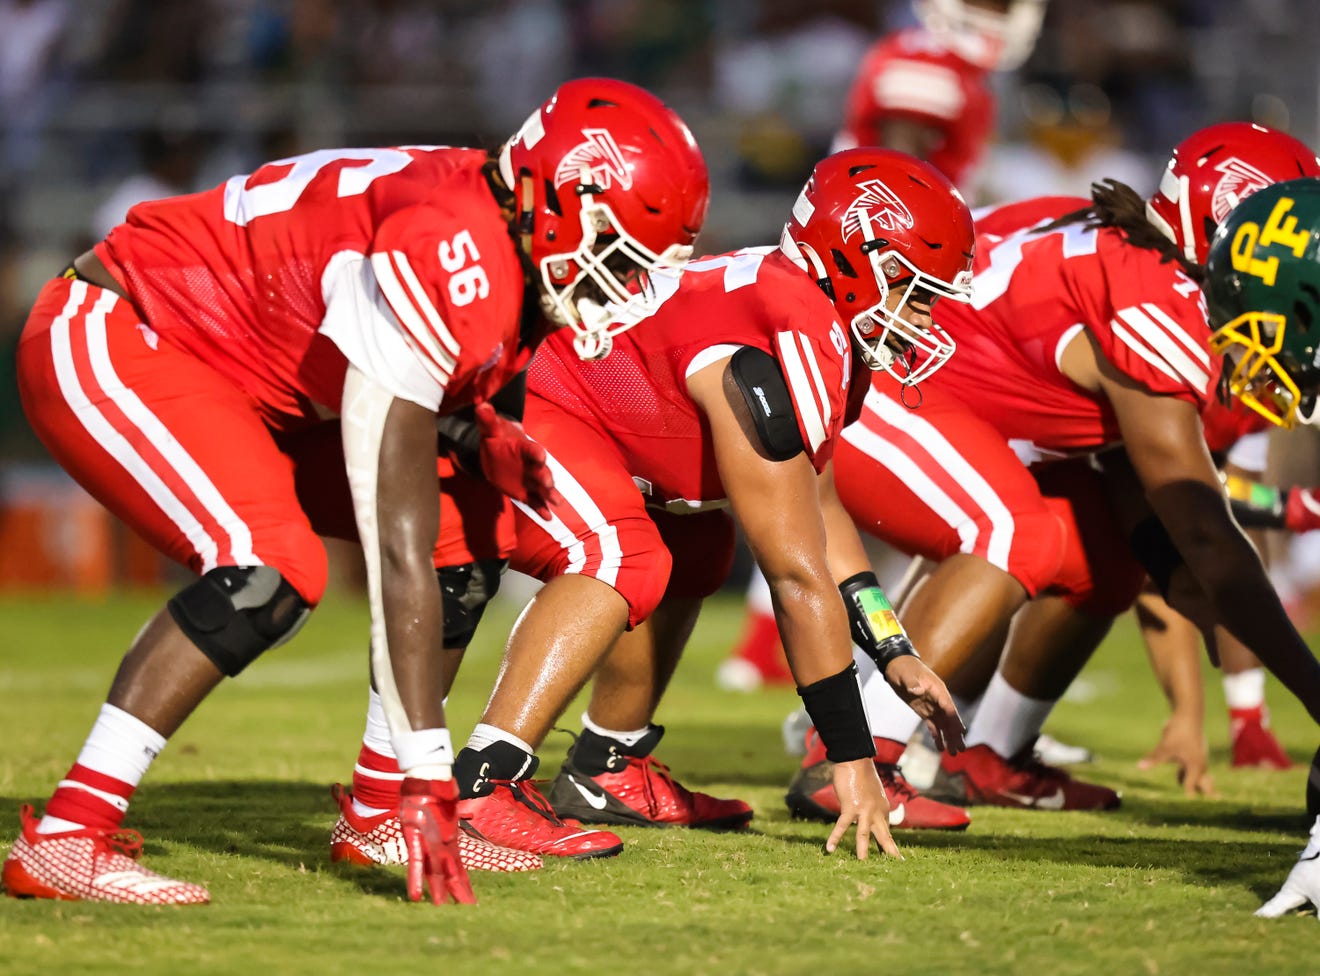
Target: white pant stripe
[165,443]
[586,509]
[946,456]
[910,473]
[110,439]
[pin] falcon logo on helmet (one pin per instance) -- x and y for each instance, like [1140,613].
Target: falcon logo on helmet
[878,208]
[1240,181]
[601,157]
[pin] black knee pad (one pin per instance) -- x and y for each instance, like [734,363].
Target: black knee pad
[235,613]
[467,589]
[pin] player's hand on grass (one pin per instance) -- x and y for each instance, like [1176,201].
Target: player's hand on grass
[428,809]
[1183,743]
[862,801]
[1301,885]
[926,695]
[514,463]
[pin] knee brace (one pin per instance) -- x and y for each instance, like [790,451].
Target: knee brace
[236,613]
[467,590]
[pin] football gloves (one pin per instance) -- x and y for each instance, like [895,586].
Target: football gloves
[428,809]
[1301,885]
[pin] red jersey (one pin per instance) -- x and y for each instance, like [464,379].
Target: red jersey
[638,393]
[913,75]
[396,260]
[1033,290]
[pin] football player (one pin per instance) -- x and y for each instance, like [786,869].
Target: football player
[1087,329]
[924,91]
[386,287]
[731,395]
[1263,296]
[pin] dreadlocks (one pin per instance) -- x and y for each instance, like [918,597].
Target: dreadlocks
[1117,205]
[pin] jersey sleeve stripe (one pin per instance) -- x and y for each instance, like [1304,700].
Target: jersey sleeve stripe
[423,302]
[803,395]
[1147,330]
[437,362]
[1140,348]
[822,391]
[1198,352]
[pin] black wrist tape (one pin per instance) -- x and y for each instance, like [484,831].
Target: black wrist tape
[836,710]
[872,621]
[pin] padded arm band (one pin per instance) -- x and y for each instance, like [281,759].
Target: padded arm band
[836,710]
[1155,550]
[771,405]
[874,625]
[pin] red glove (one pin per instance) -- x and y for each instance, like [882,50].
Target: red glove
[1301,512]
[514,463]
[428,809]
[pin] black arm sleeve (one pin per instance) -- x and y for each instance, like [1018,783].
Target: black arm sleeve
[768,401]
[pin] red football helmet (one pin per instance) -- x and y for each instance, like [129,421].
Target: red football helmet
[611,188]
[872,219]
[1215,169]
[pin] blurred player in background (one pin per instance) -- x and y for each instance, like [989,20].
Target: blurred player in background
[172,369]
[1087,329]
[924,91]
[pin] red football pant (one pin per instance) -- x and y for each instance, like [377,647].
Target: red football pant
[603,528]
[162,440]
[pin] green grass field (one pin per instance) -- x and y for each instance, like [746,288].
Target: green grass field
[239,802]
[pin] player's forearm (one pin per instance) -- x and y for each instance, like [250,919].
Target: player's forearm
[414,628]
[813,626]
[1173,645]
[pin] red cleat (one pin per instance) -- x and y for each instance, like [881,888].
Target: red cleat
[515,814]
[811,794]
[89,865]
[379,840]
[1254,745]
[602,783]
[980,775]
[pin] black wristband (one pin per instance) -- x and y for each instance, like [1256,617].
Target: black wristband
[458,438]
[835,707]
[872,621]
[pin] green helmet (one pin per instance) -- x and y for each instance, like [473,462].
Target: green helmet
[1263,298]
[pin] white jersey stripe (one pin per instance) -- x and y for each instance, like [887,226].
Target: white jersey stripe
[113,442]
[423,302]
[579,500]
[1147,330]
[800,386]
[426,333]
[166,444]
[822,394]
[959,469]
[910,472]
[437,362]
[1200,353]
[1143,350]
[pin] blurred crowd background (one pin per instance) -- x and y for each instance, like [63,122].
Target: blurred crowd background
[107,102]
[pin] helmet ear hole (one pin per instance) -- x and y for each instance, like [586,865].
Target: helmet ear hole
[843,264]
[552,199]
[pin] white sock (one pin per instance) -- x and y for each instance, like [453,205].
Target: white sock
[484,735]
[1007,720]
[887,714]
[1246,689]
[376,737]
[120,746]
[629,739]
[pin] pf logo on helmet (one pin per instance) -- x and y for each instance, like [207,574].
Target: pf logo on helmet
[1238,182]
[878,208]
[601,156]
